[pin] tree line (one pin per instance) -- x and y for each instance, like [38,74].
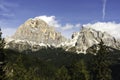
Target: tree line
[57,64]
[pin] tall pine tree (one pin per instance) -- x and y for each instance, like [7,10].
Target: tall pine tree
[101,63]
[2,57]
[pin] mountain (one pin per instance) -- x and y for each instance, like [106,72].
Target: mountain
[36,30]
[36,34]
[87,37]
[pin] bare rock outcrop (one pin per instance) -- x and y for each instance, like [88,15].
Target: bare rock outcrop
[88,37]
[36,30]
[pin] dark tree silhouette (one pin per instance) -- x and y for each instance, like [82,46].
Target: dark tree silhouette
[102,64]
[2,57]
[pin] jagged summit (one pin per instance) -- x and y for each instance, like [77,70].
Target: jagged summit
[36,33]
[33,35]
[87,37]
[39,31]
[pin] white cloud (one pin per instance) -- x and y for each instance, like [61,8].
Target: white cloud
[78,25]
[7,32]
[66,29]
[6,14]
[104,9]
[51,20]
[110,27]
[7,7]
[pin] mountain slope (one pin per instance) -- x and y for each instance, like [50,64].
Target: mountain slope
[35,34]
[37,30]
[87,37]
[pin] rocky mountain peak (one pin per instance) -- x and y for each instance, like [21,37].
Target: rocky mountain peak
[87,37]
[35,22]
[39,31]
[35,33]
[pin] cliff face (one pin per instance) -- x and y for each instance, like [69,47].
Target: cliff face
[36,30]
[88,37]
[35,34]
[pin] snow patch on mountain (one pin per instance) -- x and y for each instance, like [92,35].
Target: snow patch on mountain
[88,37]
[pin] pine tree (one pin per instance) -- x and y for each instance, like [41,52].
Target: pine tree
[2,57]
[78,70]
[101,63]
[62,74]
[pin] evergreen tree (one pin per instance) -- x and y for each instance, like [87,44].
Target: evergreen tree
[81,65]
[62,74]
[2,57]
[78,71]
[101,70]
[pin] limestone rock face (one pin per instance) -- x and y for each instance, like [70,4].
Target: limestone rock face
[33,35]
[22,45]
[88,37]
[36,30]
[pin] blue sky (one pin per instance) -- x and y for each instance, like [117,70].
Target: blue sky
[15,12]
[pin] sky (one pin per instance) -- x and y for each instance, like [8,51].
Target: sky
[69,15]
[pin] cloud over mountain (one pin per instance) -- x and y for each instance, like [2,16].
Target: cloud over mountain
[66,29]
[7,9]
[110,27]
[7,32]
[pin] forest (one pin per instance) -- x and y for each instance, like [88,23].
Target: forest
[58,64]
